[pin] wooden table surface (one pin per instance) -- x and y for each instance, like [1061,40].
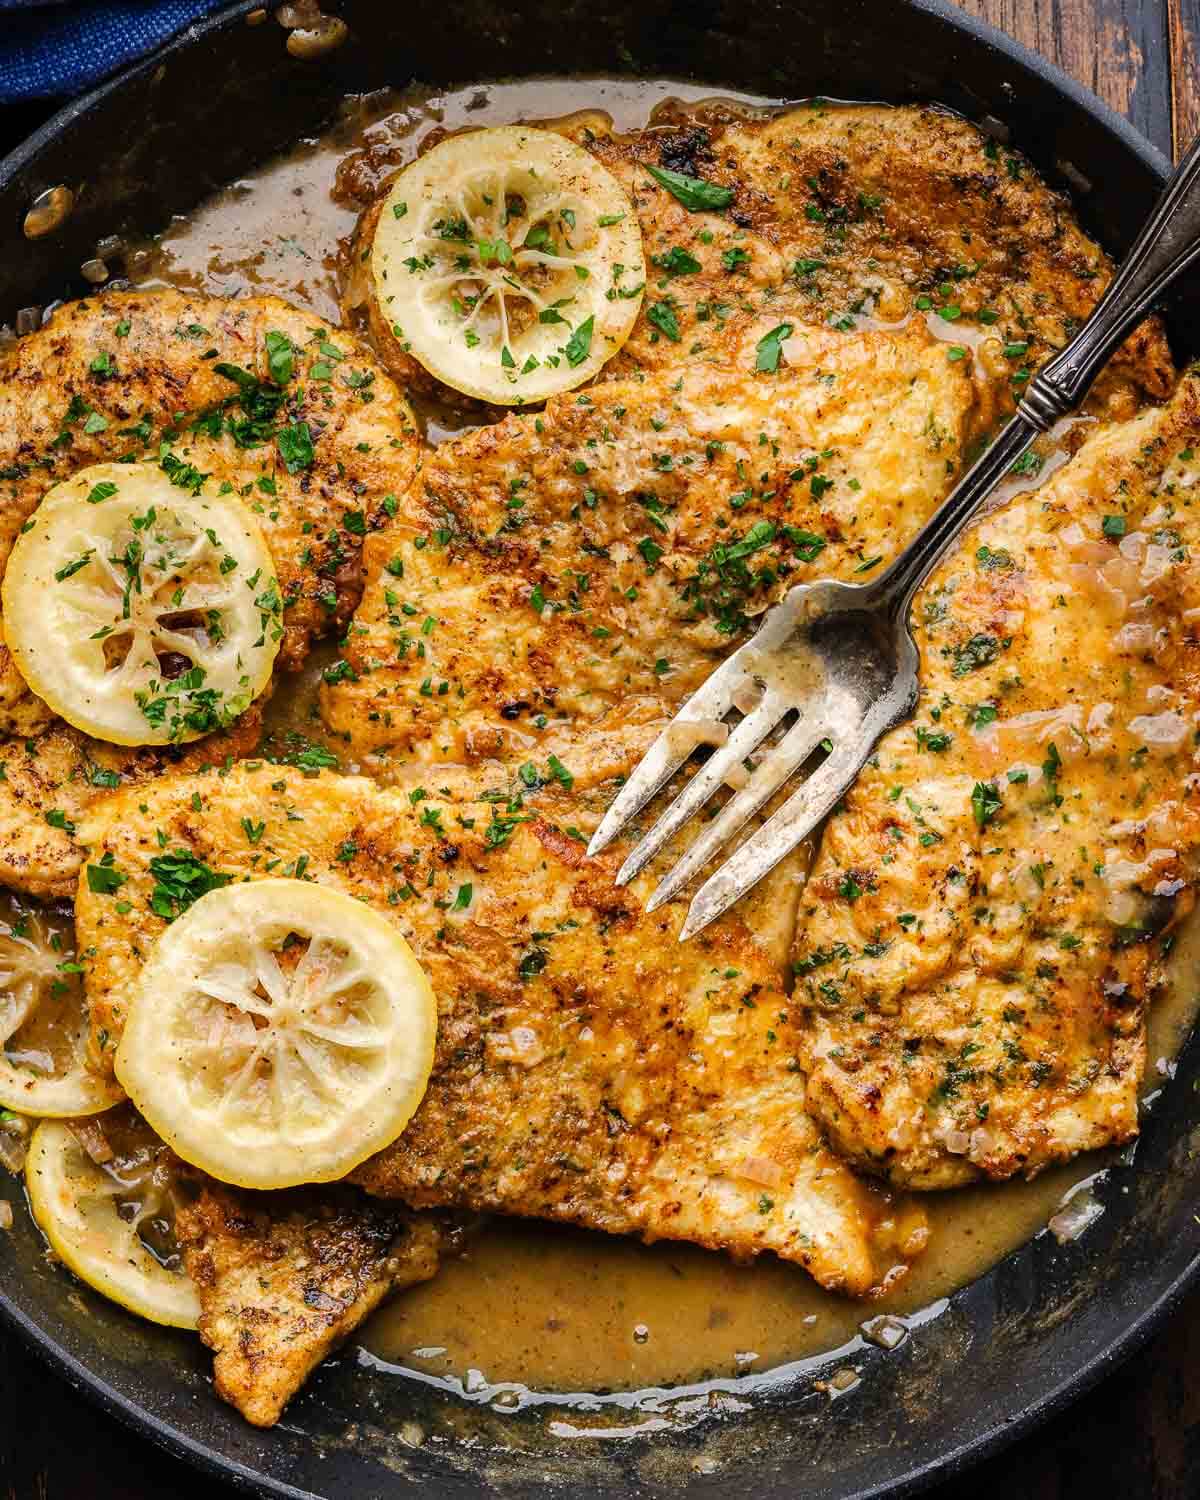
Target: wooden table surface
[1137,1436]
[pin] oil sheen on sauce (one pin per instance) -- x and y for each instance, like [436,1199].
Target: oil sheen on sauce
[532,1308]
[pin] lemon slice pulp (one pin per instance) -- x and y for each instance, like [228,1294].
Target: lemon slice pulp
[95,1221]
[44,1026]
[281,1032]
[140,614]
[509,263]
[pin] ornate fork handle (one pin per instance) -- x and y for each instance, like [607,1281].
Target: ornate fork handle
[1168,244]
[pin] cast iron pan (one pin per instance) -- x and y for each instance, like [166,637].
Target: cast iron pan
[1008,1350]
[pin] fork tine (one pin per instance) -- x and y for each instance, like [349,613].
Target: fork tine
[748,735]
[712,700]
[778,764]
[778,836]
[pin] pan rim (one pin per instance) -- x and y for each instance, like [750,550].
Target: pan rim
[919,1476]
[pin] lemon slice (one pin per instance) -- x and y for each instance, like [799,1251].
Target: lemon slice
[94,1221]
[141,614]
[281,1032]
[509,262]
[44,1026]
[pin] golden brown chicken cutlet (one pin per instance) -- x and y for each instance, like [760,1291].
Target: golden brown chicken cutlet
[48,782]
[252,395]
[589,1068]
[607,552]
[284,1278]
[842,216]
[988,917]
[308,431]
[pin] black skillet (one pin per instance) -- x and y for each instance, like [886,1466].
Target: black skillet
[1010,1349]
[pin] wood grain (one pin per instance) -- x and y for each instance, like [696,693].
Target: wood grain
[1119,48]
[1183,23]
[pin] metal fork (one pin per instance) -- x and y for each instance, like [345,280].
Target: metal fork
[840,655]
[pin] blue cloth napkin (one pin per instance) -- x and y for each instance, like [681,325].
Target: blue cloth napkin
[53,50]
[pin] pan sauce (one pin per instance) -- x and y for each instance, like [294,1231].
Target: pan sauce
[531,1306]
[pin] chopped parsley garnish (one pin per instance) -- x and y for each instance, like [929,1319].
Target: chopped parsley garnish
[985,802]
[677,262]
[280,357]
[532,963]
[68,570]
[295,446]
[306,756]
[1053,762]
[662,315]
[651,552]
[500,830]
[770,348]
[694,193]
[182,475]
[103,879]
[259,403]
[560,772]
[579,345]
[978,652]
[184,702]
[724,582]
[180,879]
[819,957]
[806,544]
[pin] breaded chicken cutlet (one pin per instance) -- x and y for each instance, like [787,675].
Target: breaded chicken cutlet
[842,216]
[580,562]
[579,1075]
[284,1278]
[970,987]
[187,382]
[989,914]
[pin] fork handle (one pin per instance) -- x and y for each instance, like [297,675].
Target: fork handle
[1168,244]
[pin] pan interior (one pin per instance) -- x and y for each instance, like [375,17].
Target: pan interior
[383,1415]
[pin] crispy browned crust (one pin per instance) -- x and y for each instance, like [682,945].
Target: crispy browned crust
[163,371]
[161,377]
[564,564]
[284,1278]
[589,1067]
[893,204]
[60,771]
[975,987]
